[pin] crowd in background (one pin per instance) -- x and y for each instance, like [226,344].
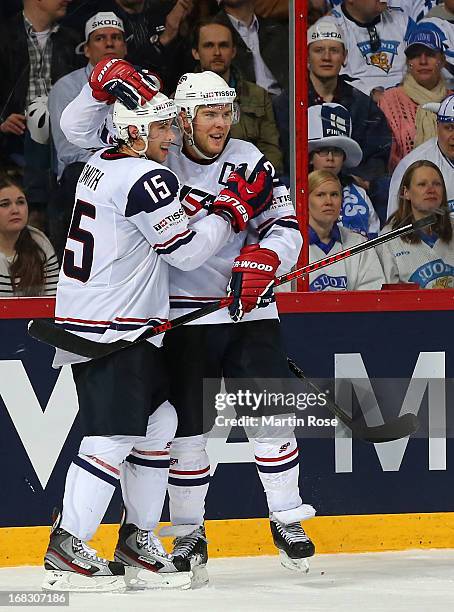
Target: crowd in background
[380,77]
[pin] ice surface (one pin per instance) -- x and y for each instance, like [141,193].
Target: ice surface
[413,581]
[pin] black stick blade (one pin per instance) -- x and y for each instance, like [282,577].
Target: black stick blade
[396,429]
[417,225]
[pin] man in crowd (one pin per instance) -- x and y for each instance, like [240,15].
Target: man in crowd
[262,45]
[214,49]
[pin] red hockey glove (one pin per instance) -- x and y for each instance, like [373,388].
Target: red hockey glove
[252,280]
[116,79]
[244,199]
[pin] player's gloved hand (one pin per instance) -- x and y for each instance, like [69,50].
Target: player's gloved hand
[116,79]
[244,198]
[252,280]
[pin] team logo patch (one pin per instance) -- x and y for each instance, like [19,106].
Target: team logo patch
[435,274]
[382,59]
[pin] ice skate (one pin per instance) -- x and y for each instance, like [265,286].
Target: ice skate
[147,565]
[71,565]
[190,551]
[295,546]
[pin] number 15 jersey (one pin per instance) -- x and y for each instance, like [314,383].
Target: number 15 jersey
[127,226]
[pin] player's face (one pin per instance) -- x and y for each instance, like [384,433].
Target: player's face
[211,127]
[325,203]
[445,133]
[160,138]
[425,191]
[105,43]
[425,66]
[13,210]
[215,50]
[326,58]
[328,158]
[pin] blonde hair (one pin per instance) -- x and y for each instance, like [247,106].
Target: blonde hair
[317,177]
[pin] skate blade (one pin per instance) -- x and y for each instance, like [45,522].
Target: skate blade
[55,580]
[200,577]
[138,578]
[296,565]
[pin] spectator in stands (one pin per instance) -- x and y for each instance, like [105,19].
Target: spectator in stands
[28,264]
[425,257]
[374,37]
[274,9]
[152,29]
[326,237]
[410,123]
[326,56]
[444,25]
[445,10]
[439,150]
[104,37]
[262,45]
[331,148]
[34,53]
[214,49]
[316,10]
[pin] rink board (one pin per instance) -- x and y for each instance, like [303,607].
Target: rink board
[381,497]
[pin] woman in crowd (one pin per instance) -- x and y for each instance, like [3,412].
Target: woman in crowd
[410,123]
[327,237]
[425,257]
[331,148]
[28,264]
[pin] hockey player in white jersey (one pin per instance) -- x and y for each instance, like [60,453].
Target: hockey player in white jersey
[127,226]
[439,150]
[374,35]
[216,347]
[425,257]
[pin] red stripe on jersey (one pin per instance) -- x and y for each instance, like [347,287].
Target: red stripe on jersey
[268,221]
[104,465]
[150,453]
[294,452]
[190,473]
[177,237]
[83,321]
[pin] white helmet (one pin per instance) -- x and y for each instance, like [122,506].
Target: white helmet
[38,120]
[159,108]
[201,88]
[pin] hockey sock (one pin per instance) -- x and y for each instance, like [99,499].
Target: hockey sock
[278,467]
[144,473]
[189,479]
[90,484]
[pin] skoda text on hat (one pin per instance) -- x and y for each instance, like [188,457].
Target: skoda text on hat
[444,110]
[324,29]
[330,126]
[102,20]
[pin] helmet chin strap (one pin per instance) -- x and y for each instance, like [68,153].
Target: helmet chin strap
[189,137]
[142,152]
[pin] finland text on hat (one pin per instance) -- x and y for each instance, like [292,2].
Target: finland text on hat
[426,37]
[444,110]
[324,29]
[330,125]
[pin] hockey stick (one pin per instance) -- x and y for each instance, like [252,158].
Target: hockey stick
[401,427]
[57,336]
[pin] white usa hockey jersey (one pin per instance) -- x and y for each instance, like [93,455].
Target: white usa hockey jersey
[428,150]
[359,272]
[383,67]
[85,122]
[429,263]
[127,226]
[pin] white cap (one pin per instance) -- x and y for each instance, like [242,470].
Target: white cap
[102,20]
[444,110]
[38,120]
[324,29]
[330,125]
